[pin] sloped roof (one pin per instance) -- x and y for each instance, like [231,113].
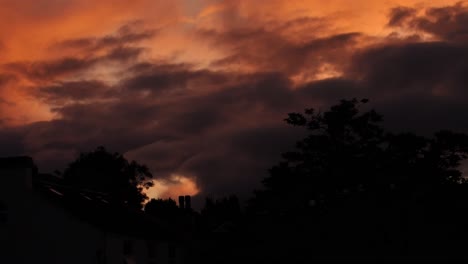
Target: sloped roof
[94,208]
[91,206]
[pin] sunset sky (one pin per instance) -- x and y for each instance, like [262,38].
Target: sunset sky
[198,89]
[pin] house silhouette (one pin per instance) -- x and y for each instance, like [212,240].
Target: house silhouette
[43,220]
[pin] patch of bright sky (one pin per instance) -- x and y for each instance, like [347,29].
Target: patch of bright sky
[173,187]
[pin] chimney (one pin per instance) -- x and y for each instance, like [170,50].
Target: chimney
[181,202]
[188,202]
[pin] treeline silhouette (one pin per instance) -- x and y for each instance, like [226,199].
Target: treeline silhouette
[349,191]
[352,191]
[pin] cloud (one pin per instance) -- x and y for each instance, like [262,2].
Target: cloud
[11,141]
[124,44]
[48,70]
[157,78]
[222,138]
[400,15]
[434,68]
[61,92]
[446,23]
[84,54]
[262,49]
[210,112]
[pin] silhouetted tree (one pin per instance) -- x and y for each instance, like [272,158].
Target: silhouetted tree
[366,189]
[341,152]
[166,209]
[99,170]
[221,210]
[347,151]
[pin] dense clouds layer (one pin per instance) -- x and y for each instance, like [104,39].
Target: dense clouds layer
[219,121]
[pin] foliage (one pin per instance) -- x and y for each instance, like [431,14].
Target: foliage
[226,207]
[99,170]
[348,151]
[162,208]
[220,211]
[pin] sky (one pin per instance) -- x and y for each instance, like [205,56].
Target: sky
[198,90]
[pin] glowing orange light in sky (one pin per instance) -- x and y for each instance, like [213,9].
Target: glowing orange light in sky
[176,186]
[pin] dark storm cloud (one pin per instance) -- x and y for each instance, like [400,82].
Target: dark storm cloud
[196,135]
[123,54]
[329,91]
[122,124]
[5,80]
[425,114]
[160,78]
[10,142]
[301,25]
[227,139]
[225,128]
[87,53]
[49,70]
[128,34]
[437,68]
[269,50]
[400,15]
[418,86]
[236,160]
[448,23]
[75,90]
[197,111]
[3,101]
[267,89]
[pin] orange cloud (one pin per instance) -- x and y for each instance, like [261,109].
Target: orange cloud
[35,27]
[173,187]
[48,46]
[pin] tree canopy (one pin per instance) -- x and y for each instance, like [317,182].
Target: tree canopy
[352,189]
[347,150]
[163,208]
[122,180]
[219,211]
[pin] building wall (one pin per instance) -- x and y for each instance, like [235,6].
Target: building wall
[38,231]
[60,237]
